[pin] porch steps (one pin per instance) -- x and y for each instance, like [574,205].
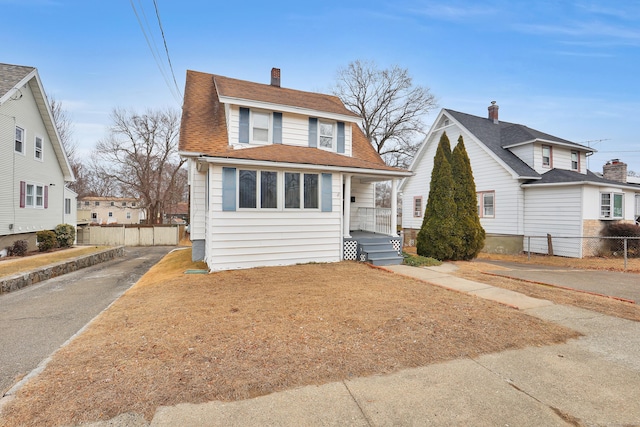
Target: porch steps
[379,251]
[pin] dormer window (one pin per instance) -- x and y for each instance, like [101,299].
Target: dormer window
[546,156]
[326,134]
[575,161]
[259,127]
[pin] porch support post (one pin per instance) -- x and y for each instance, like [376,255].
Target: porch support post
[394,207]
[346,221]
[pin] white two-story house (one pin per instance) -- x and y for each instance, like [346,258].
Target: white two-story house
[279,176]
[33,165]
[528,183]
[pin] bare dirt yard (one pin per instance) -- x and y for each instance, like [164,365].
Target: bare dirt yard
[232,335]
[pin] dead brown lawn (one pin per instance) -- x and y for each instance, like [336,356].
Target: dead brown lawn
[480,272]
[232,335]
[14,265]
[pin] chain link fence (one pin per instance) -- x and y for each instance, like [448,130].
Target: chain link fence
[623,248]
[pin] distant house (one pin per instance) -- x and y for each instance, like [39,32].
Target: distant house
[109,210]
[280,176]
[528,183]
[33,165]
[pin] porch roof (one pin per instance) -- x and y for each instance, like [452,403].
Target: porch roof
[281,155]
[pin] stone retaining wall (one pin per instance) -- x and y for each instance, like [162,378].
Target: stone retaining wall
[20,280]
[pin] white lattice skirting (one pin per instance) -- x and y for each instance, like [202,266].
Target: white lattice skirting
[350,250]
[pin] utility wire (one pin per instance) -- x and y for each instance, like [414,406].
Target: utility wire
[166,48]
[156,56]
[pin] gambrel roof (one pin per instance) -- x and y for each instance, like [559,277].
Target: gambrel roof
[203,130]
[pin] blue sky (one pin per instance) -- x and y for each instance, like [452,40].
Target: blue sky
[568,68]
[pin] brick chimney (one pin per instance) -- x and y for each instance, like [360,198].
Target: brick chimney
[275,77]
[493,112]
[615,170]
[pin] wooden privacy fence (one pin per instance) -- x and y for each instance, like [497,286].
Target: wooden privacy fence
[129,235]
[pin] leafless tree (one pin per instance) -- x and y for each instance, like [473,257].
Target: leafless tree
[140,157]
[64,125]
[391,107]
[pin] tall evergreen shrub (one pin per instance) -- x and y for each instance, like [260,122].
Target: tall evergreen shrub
[469,231]
[437,237]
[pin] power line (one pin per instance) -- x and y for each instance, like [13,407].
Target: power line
[156,55]
[155,4]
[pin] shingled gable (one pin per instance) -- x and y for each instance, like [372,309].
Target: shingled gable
[203,129]
[498,137]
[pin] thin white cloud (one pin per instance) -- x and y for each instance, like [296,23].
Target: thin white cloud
[453,13]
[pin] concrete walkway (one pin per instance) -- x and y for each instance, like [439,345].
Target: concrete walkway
[590,381]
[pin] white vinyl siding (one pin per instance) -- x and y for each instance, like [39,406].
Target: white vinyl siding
[526,153]
[555,211]
[197,186]
[489,175]
[365,194]
[17,167]
[295,130]
[249,238]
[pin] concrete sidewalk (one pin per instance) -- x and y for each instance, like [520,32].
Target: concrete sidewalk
[593,380]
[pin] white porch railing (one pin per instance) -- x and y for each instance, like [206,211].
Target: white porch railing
[376,220]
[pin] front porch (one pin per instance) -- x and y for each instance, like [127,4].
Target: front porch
[374,248]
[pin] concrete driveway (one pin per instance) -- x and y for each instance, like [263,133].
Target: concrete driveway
[37,320]
[614,284]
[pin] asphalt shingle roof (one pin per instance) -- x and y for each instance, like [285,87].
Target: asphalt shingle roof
[10,75]
[203,128]
[504,134]
[560,176]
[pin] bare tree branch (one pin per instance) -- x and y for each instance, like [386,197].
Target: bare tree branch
[140,157]
[391,107]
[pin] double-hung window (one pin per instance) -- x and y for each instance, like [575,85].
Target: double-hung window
[257,189]
[19,145]
[417,207]
[611,205]
[34,195]
[487,204]
[38,148]
[546,156]
[260,126]
[575,161]
[326,134]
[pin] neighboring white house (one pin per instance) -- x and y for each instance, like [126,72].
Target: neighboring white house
[278,176]
[33,165]
[109,210]
[528,183]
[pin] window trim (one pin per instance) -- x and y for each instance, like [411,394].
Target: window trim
[611,206]
[35,148]
[550,164]
[67,206]
[22,141]
[577,153]
[417,207]
[334,136]
[252,114]
[481,203]
[258,195]
[42,196]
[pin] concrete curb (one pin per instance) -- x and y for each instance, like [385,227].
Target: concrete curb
[21,280]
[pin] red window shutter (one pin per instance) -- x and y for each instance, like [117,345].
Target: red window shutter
[46,196]
[23,190]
